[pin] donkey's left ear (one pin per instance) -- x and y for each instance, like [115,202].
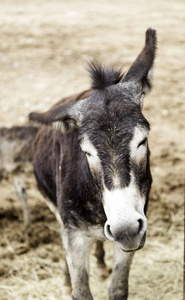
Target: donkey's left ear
[66,117]
[140,73]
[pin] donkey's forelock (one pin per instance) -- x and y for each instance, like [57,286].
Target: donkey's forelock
[103,77]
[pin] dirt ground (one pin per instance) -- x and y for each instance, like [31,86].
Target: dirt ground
[44,49]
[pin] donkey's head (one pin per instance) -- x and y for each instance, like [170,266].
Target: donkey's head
[113,134]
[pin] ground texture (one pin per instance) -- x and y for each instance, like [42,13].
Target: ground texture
[44,48]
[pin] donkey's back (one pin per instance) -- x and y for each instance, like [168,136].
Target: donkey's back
[16,149]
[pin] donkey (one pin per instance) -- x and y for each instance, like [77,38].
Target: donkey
[16,155]
[93,165]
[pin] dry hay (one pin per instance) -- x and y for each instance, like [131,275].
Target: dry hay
[44,47]
[31,258]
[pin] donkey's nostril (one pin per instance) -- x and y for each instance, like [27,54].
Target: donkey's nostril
[140,221]
[108,232]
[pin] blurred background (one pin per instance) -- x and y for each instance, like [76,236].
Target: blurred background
[44,50]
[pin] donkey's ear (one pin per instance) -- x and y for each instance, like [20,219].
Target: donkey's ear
[66,117]
[140,72]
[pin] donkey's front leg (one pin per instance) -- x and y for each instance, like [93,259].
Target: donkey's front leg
[119,285]
[77,248]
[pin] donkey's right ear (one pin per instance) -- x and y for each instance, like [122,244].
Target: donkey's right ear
[66,117]
[140,72]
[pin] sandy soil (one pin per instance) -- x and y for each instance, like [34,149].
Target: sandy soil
[44,48]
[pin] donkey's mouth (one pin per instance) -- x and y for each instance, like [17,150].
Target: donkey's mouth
[142,242]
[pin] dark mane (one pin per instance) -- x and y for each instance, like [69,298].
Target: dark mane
[103,77]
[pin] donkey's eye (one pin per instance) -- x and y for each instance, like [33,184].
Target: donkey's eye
[88,154]
[143,142]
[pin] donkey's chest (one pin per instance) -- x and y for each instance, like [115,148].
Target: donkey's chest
[82,211]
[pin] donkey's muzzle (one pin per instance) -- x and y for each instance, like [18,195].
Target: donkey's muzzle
[129,235]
